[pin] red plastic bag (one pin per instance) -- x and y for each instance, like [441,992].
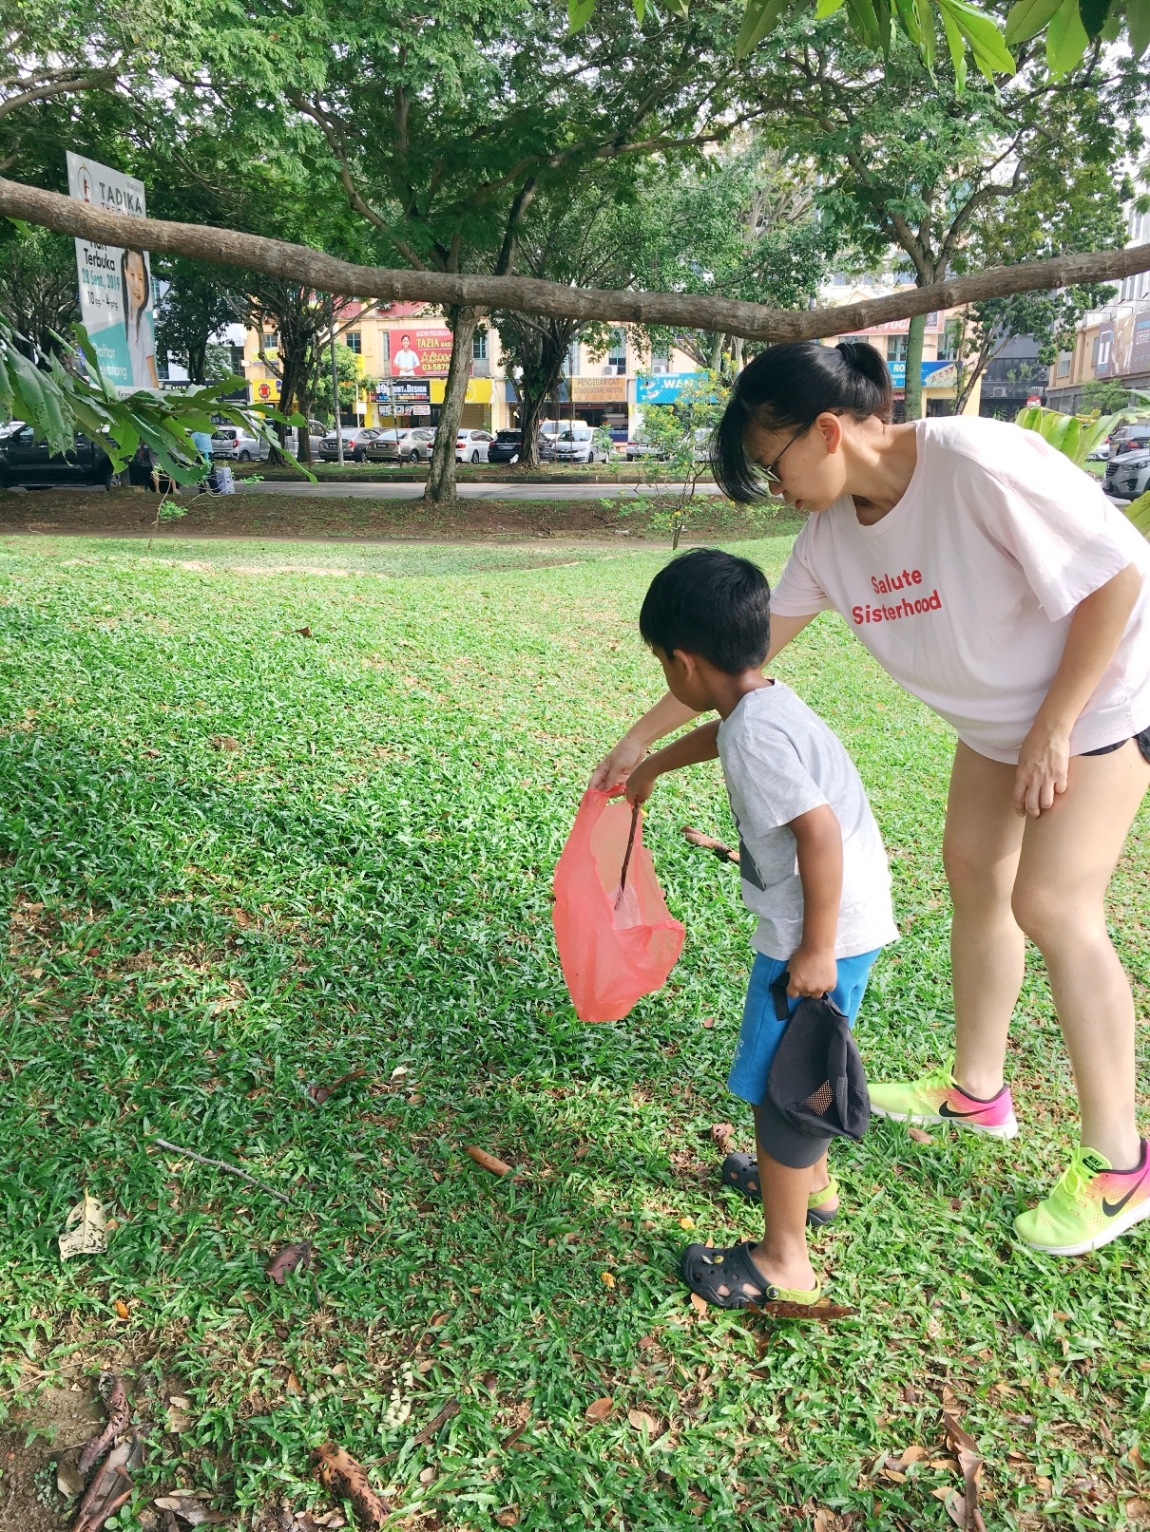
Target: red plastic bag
[613,950]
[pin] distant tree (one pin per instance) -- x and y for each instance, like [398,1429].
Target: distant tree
[38,288]
[194,306]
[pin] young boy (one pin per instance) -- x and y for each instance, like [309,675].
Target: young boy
[813,870]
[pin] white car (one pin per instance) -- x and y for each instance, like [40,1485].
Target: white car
[471,445]
[578,446]
[234,445]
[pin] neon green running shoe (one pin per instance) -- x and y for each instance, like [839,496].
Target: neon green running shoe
[936,1098]
[1091,1204]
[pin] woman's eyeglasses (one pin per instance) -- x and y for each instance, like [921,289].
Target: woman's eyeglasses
[771,471]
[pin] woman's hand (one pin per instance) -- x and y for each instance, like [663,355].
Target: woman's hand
[813,972]
[1043,762]
[616,766]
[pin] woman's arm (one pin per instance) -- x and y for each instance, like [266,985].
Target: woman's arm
[1096,629]
[669,714]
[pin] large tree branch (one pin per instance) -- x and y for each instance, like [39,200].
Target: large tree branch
[63,85]
[752,321]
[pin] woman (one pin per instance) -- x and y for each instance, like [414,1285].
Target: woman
[137,299]
[997,583]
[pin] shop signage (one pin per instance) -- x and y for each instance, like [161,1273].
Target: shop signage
[899,326]
[662,387]
[115,284]
[934,374]
[403,391]
[599,390]
[419,353]
[267,391]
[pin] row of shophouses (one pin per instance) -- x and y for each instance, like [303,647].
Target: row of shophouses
[404,350]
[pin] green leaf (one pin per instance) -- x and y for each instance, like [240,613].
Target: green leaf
[758,19]
[1138,21]
[579,13]
[1139,513]
[864,23]
[827,8]
[1027,18]
[908,16]
[1066,39]
[927,30]
[1093,14]
[956,46]
[987,48]
[640,10]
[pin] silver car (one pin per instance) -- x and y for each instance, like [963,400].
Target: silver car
[356,440]
[578,446]
[1128,475]
[232,444]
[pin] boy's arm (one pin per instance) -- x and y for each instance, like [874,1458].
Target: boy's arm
[819,846]
[701,744]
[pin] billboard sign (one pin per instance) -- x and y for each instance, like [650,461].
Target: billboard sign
[934,374]
[115,284]
[420,353]
[662,387]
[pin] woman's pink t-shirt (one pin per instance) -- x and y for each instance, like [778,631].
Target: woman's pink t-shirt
[964,591]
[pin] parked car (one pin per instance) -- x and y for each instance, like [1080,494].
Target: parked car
[234,444]
[26,461]
[471,445]
[505,448]
[417,444]
[356,440]
[316,431]
[638,447]
[578,446]
[1130,438]
[549,433]
[1128,475]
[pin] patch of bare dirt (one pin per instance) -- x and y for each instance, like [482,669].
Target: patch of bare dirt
[40,1438]
[132,513]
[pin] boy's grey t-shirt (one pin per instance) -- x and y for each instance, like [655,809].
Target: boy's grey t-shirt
[781,760]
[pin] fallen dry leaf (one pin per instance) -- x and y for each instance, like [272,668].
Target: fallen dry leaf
[344,1479]
[111,1485]
[121,1308]
[488,1161]
[85,1229]
[965,1448]
[303,632]
[318,1094]
[599,1409]
[508,1517]
[1137,1510]
[225,742]
[721,1134]
[427,1476]
[288,1259]
[641,1421]
[116,1405]
[699,1303]
[607,1280]
[919,1136]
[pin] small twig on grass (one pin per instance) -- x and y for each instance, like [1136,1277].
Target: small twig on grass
[489,1162]
[433,1427]
[232,1170]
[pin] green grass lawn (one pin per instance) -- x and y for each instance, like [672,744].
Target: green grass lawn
[238,860]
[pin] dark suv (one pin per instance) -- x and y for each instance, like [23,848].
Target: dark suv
[506,447]
[26,461]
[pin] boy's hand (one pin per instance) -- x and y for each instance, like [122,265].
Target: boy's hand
[813,972]
[639,784]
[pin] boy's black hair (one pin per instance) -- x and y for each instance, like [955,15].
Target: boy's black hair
[792,385]
[712,604]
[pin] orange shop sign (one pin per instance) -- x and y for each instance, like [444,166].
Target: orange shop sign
[266,391]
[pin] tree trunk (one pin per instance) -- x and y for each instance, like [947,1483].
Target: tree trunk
[441,477]
[531,407]
[914,367]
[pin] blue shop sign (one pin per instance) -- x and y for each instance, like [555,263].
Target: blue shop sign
[933,375]
[663,387]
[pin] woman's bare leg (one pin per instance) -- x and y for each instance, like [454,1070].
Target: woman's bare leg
[1068,856]
[981,849]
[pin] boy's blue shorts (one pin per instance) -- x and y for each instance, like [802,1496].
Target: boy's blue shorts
[761,1031]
